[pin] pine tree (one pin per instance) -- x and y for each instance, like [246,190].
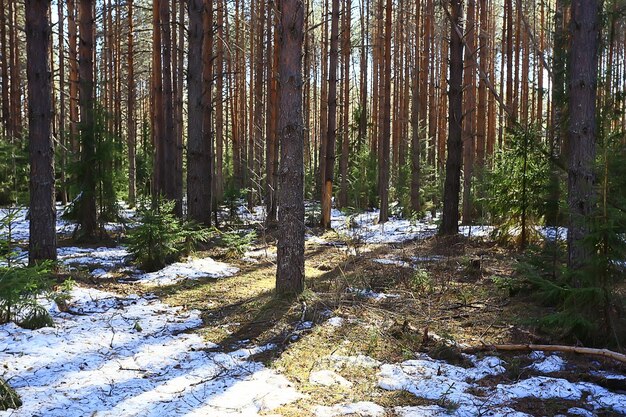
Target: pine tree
[290,269]
[42,242]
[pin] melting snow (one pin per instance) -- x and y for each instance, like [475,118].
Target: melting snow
[364,227]
[362,409]
[335,321]
[113,356]
[192,269]
[103,257]
[376,296]
[437,380]
[553,363]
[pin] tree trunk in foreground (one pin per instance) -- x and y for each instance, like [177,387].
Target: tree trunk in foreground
[42,242]
[452,186]
[290,270]
[582,129]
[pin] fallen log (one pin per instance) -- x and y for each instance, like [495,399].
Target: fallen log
[605,353]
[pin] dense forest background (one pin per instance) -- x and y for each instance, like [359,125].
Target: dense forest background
[496,112]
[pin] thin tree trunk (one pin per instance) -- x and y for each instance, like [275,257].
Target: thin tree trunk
[62,130]
[416,122]
[170,183]
[331,135]
[345,139]
[272,119]
[219,105]
[158,119]
[386,125]
[73,81]
[469,86]
[131,125]
[88,214]
[6,115]
[452,186]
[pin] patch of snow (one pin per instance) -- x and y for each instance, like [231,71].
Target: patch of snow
[358,361]
[601,398]
[361,409]
[396,262]
[541,387]
[103,257]
[305,325]
[255,256]
[438,411]
[609,375]
[577,411]
[328,378]
[115,356]
[376,296]
[476,231]
[433,258]
[553,363]
[257,214]
[364,227]
[553,233]
[335,321]
[191,269]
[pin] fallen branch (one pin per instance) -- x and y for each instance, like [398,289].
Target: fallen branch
[605,353]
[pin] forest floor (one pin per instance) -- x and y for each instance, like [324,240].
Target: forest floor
[379,332]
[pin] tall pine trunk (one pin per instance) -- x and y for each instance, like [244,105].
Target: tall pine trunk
[582,129]
[331,132]
[88,214]
[452,185]
[131,126]
[42,242]
[290,259]
[386,120]
[198,191]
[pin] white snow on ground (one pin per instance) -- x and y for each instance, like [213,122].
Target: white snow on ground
[396,262]
[20,227]
[376,296]
[553,363]
[114,356]
[257,214]
[361,409]
[476,231]
[438,411]
[364,228]
[259,255]
[335,321]
[439,381]
[191,269]
[103,257]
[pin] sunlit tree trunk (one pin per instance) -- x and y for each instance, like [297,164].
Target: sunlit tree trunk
[42,242]
[88,215]
[331,135]
[290,259]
